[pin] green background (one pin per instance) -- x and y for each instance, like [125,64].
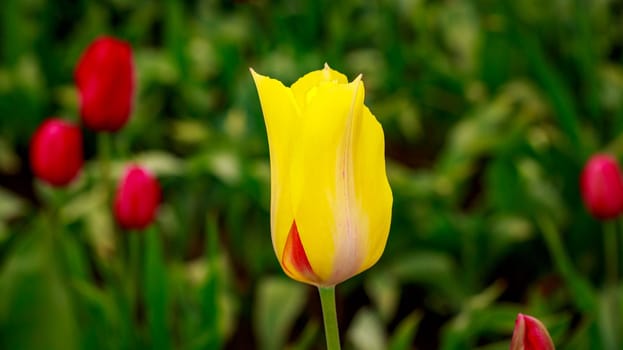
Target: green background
[490,109]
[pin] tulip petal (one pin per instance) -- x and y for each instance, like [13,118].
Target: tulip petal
[294,260]
[302,86]
[280,114]
[372,191]
[530,334]
[322,181]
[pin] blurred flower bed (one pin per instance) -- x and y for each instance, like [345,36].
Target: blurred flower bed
[490,111]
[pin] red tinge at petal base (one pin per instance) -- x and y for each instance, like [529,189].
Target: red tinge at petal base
[295,260]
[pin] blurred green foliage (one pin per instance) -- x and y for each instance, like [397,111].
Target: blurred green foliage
[490,109]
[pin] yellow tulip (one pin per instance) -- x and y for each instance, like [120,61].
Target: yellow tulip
[330,199]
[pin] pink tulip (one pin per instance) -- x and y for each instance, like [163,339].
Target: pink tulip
[105,79]
[530,334]
[56,152]
[601,185]
[137,199]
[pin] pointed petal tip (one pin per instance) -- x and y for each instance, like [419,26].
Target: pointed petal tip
[530,334]
[357,83]
[254,73]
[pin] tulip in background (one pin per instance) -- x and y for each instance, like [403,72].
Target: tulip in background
[530,334]
[601,185]
[56,152]
[137,199]
[105,80]
[330,199]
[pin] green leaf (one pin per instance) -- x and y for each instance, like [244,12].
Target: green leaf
[36,311]
[307,337]
[402,339]
[459,333]
[278,303]
[210,290]
[433,269]
[384,291]
[11,206]
[367,331]
[553,85]
[98,314]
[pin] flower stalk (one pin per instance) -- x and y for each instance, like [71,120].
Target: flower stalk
[329,314]
[611,253]
[104,150]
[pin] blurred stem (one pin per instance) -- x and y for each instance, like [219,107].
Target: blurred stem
[210,291]
[469,258]
[581,291]
[620,222]
[104,148]
[555,247]
[329,314]
[134,261]
[611,253]
[155,290]
[53,199]
[55,203]
[612,279]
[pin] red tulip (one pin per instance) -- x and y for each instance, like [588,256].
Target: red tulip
[137,199]
[530,334]
[601,184]
[56,151]
[105,80]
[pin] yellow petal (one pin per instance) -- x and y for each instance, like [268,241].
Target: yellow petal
[302,86]
[330,198]
[323,184]
[280,116]
[372,191]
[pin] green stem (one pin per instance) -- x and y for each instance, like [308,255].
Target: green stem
[55,205]
[134,262]
[104,148]
[54,200]
[134,277]
[581,291]
[211,289]
[612,279]
[620,229]
[469,257]
[555,247]
[611,253]
[327,300]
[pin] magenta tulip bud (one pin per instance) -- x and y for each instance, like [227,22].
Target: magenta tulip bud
[530,334]
[56,152]
[105,79]
[137,199]
[601,185]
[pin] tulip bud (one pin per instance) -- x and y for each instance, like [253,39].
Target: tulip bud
[136,199]
[56,151]
[331,202]
[105,79]
[530,334]
[601,185]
